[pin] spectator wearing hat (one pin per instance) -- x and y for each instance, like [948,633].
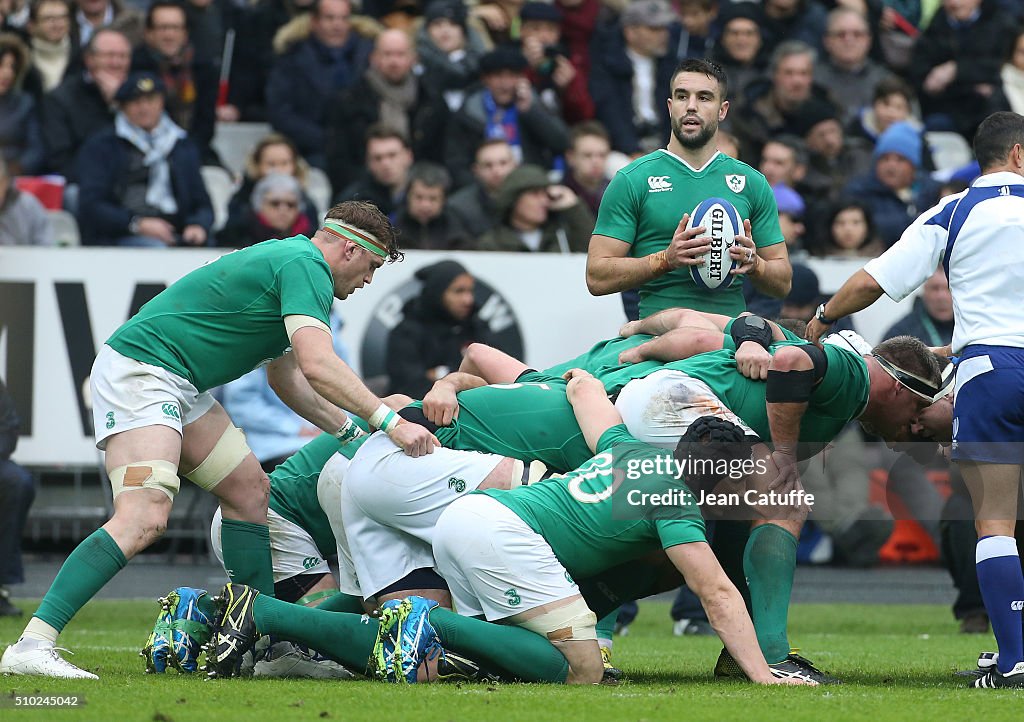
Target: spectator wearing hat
[740,44]
[449,51]
[474,204]
[21,141]
[538,216]
[306,77]
[896,189]
[505,106]
[140,183]
[388,160]
[791,220]
[833,157]
[770,107]
[437,325]
[846,65]
[83,104]
[562,89]
[424,220]
[389,93]
[955,65]
[631,70]
[276,209]
[191,82]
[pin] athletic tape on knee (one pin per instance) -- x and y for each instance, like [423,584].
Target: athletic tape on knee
[155,474]
[523,475]
[573,621]
[229,451]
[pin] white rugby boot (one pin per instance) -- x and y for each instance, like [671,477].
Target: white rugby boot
[32,657]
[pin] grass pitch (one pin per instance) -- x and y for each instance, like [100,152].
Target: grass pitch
[896,661]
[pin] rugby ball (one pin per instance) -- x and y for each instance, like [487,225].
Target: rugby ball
[722,224]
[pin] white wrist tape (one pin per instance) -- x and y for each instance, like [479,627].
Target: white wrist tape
[348,432]
[384,419]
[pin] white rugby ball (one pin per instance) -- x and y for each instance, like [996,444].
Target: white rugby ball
[722,224]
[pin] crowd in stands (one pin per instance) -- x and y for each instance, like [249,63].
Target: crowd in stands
[426,107]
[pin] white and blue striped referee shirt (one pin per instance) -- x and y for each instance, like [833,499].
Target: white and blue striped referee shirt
[978,237]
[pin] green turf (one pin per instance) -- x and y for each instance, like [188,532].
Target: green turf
[896,660]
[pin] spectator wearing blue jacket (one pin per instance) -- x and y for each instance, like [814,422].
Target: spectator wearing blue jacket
[896,189]
[306,78]
[140,183]
[640,49]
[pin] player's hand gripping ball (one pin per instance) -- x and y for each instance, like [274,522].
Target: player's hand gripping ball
[722,224]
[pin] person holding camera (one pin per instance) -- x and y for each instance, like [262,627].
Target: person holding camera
[562,89]
[504,106]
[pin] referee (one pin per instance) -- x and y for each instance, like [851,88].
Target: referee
[978,238]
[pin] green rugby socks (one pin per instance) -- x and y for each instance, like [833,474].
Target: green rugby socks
[521,653]
[346,638]
[247,554]
[769,563]
[90,566]
[342,602]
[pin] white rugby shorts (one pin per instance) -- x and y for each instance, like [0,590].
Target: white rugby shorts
[328,492]
[129,394]
[390,503]
[494,563]
[659,408]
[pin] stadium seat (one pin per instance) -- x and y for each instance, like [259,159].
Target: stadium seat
[319,189]
[949,150]
[219,186]
[233,141]
[65,228]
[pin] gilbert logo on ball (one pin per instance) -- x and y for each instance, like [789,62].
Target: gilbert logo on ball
[721,222]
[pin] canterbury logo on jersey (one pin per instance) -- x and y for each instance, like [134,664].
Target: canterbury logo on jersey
[658,183]
[1017,606]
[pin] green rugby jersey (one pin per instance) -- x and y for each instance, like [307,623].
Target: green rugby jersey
[293,487]
[224,319]
[574,513]
[602,353]
[646,200]
[839,398]
[527,420]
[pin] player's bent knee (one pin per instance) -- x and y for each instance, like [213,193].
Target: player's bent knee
[572,621]
[226,455]
[156,474]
